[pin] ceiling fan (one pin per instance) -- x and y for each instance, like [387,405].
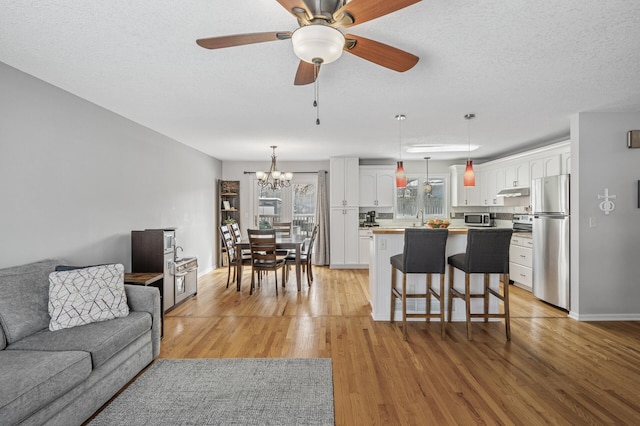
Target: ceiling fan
[319,39]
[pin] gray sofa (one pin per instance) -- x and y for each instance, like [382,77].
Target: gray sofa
[62,377]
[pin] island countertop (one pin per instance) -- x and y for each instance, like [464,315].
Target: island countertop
[400,230]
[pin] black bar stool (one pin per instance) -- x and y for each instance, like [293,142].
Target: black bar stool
[487,253]
[423,253]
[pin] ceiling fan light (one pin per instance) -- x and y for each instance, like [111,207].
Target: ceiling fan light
[317,41]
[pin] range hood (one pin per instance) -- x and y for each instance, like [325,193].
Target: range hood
[514,192]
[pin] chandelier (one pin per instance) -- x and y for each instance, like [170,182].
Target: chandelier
[274,179]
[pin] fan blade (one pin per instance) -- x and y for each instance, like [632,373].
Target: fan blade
[291,4]
[241,39]
[306,73]
[379,53]
[366,10]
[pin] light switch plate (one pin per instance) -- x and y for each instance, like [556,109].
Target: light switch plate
[633,139]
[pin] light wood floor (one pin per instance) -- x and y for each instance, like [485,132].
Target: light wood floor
[554,371]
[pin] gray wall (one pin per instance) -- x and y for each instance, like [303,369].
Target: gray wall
[75,179]
[605,258]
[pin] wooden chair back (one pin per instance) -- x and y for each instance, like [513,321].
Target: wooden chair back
[283,229]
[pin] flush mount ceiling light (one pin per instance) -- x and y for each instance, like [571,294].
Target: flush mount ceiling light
[317,44]
[441,148]
[401,177]
[274,179]
[469,176]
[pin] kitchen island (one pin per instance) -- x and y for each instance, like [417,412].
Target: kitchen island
[386,242]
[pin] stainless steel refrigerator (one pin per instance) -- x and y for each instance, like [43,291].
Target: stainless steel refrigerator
[551,232]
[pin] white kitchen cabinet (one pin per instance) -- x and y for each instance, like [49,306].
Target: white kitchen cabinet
[490,183]
[516,175]
[521,262]
[343,232]
[566,163]
[462,196]
[545,166]
[365,239]
[344,182]
[377,187]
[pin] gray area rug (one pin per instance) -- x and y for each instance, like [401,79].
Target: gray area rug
[229,391]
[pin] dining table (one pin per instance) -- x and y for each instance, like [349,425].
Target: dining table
[294,242]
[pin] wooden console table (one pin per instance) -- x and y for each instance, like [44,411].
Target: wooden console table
[152,279]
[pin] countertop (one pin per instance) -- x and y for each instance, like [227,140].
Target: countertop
[400,230]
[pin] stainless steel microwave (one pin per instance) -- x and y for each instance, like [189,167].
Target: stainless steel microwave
[478,219]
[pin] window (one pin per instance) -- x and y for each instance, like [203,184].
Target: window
[296,204]
[412,200]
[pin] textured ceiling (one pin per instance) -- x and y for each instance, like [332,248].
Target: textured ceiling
[522,67]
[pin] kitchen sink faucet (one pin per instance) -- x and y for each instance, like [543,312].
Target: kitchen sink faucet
[421,213]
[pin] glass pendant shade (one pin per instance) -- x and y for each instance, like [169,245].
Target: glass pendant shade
[401,177]
[469,175]
[426,187]
[317,42]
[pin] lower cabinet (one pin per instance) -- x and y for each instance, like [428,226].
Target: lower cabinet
[344,237]
[520,261]
[365,239]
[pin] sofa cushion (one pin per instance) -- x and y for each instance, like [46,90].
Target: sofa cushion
[24,296]
[83,296]
[101,339]
[30,380]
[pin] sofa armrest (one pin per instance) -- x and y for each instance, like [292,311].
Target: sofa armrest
[147,299]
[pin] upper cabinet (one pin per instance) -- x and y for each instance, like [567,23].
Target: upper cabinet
[376,187]
[344,178]
[462,196]
[491,182]
[546,166]
[511,172]
[516,175]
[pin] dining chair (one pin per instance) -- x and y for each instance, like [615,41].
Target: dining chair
[237,236]
[487,253]
[262,243]
[231,252]
[283,229]
[306,256]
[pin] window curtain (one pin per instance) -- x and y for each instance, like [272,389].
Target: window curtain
[321,253]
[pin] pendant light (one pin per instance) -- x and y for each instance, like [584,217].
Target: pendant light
[427,188]
[469,175]
[401,177]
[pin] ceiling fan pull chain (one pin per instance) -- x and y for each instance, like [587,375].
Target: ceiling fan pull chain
[316,101]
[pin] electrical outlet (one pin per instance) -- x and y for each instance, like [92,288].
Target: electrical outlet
[592,222]
[383,244]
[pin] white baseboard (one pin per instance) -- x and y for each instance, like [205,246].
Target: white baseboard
[604,317]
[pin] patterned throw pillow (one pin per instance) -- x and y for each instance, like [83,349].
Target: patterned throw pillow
[87,295]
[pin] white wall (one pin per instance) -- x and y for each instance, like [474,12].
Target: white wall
[75,179]
[605,258]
